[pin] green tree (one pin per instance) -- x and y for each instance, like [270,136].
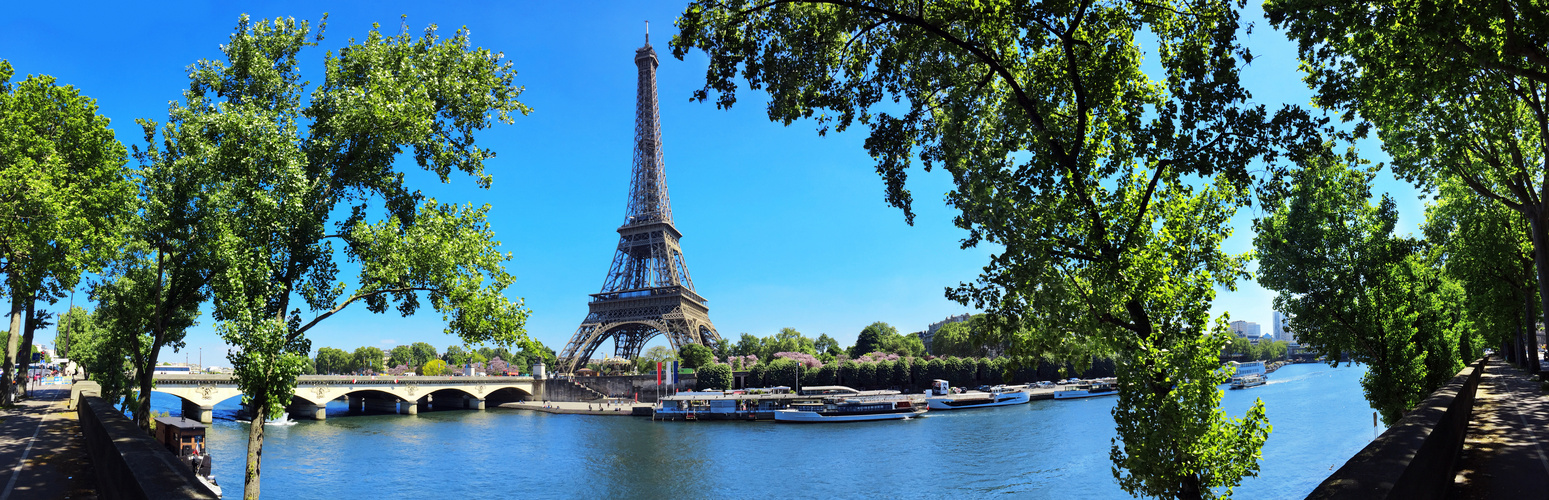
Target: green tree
[142,318]
[951,340]
[866,375]
[1490,257]
[435,368]
[455,355]
[712,377]
[905,345]
[91,347]
[368,359]
[400,355]
[827,345]
[647,361]
[696,355]
[722,348]
[1456,92]
[64,195]
[423,352]
[782,371]
[334,361]
[786,340]
[749,345]
[756,376]
[300,172]
[871,339]
[1350,286]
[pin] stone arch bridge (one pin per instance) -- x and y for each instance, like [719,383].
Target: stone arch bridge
[404,395]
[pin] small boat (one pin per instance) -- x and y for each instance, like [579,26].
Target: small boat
[1087,391]
[849,411]
[997,396]
[186,438]
[1247,381]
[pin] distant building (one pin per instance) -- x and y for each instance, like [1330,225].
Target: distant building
[1281,332]
[1246,329]
[930,331]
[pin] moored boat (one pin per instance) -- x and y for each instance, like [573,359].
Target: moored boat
[1087,391]
[864,410]
[185,438]
[997,396]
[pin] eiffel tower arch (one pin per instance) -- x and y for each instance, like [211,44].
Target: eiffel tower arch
[648,291]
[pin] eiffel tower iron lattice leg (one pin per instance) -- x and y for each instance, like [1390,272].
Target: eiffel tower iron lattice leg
[648,291]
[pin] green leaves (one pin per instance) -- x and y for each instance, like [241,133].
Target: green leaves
[277,176]
[1350,287]
[449,252]
[1109,188]
[64,193]
[1216,451]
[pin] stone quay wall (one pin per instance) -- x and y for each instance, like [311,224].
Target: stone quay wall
[129,464]
[620,386]
[1414,459]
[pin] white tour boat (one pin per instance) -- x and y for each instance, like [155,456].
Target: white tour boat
[1087,391]
[864,410]
[998,396]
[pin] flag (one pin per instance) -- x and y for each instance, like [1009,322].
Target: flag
[658,373]
[674,373]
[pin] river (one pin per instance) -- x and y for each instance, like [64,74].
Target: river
[1046,449]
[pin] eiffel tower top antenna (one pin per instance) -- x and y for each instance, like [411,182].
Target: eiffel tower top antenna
[647,31]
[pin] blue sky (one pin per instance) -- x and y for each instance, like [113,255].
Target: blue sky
[782,228]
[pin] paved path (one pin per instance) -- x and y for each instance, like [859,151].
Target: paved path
[42,454]
[1506,453]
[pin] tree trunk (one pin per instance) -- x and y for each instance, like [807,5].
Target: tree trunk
[1541,259]
[255,447]
[18,307]
[1514,347]
[25,351]
[142,412]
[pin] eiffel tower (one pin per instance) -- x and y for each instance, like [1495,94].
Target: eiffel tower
[648,291]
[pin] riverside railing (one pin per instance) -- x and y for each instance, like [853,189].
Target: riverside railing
[1414,459]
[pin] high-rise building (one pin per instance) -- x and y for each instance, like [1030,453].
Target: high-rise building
[1280,329]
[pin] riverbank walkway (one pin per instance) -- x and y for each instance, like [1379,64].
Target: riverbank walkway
[1506,451]
[42,454]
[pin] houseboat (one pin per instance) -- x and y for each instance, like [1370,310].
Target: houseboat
[758,404]
[850,410]
[185,438]
[1246,369]
[1087,390]
[997,396]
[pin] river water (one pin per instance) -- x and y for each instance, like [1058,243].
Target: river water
[1046,449]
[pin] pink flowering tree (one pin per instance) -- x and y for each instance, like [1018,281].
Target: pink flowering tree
[805,359]
[498,366]
[877,357]
[742,362]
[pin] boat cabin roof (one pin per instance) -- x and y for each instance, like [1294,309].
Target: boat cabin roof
[181,424]
[828,389]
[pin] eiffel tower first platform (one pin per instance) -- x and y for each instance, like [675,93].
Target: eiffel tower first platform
[648,291]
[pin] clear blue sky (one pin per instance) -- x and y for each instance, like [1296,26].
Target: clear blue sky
[782,228]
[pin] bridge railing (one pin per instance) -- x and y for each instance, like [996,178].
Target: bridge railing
[345,380]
